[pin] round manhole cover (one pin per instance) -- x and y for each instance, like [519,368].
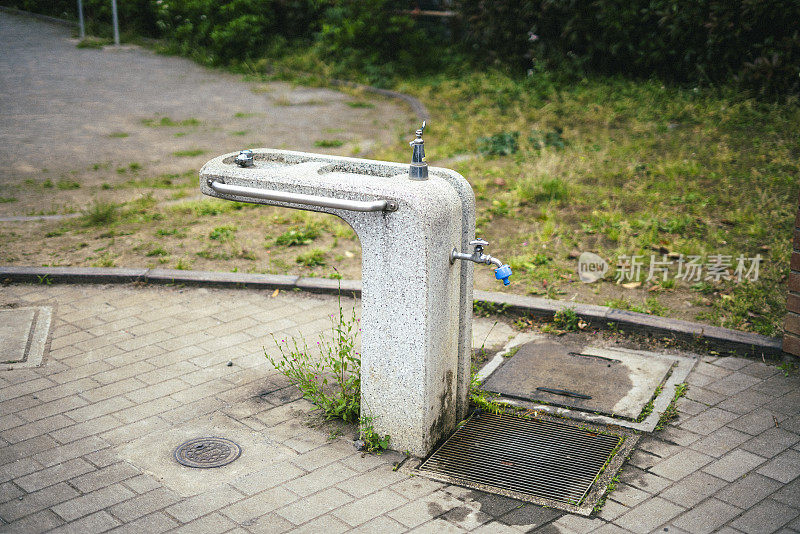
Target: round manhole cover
[207,452]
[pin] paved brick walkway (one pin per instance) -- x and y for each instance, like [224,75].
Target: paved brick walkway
[84,439]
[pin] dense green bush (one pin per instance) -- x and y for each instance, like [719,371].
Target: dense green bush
[755,43]
[221,32]
[135,16]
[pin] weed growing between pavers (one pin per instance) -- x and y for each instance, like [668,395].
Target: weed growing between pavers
[329,376]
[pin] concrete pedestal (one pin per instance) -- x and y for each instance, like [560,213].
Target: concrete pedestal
[416,306]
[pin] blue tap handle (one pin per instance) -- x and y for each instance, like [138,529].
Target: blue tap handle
[503,273]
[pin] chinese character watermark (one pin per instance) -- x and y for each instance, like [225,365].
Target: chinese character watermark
[689,268]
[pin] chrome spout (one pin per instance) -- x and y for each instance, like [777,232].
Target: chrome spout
[418,170]
[502,271]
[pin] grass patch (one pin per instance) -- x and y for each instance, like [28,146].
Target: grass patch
[328,143]
[66,185]
[119,135]
[223,233]
[298,235]
[157,251]
[7,200]
[360,104]
[312,258]
[189,153]
[167,122]
[93,43]
[99,213]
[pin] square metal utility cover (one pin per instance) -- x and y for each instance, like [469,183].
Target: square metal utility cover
[613,385]
[23,335]
[557,463]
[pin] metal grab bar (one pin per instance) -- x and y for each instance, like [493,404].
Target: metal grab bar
[298,198]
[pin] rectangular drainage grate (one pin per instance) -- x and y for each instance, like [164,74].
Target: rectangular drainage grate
[537,460]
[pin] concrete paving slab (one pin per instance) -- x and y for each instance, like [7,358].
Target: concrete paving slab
[154,454]
[24,332]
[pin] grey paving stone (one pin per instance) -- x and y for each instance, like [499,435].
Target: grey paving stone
[771,442]
[644,480]
[155,523]
[679,436]
[788,404]
[495,527]
[734,465]
[92,502]
[658,447]
[766,516]
[759,370]
[199,505]
[628,495]
[267,478]
[709,369]
[648,515]
[693,489]
[578,524]
[274,524]
[416,487]
[371,506]
[784,468]
[708,421]
[326,523]
[720,442]
[746,492]
[438,526]
[681,464]
[530,516]
[758,421]
[789,494]
[690,407]
[324,477]
[142,483]
[466,517]
[210,524]
[704,396]
[419,511]
[97,522]
[371,481]
[53,475]
[777,386]
[706,517]
[33,524]
[643,460]
[612,510]
[259,504]
[33,502]
[732,363]
[308,508]
[745,401]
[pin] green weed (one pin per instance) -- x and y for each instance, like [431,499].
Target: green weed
[119,135]
[66,185]
[298,236]
[312,258]
[189,153]
[223,233]
[168,122]
[6,200]
[100,213]
[157,251]
[330,375]
[328,143]
[501,144]
[360,104]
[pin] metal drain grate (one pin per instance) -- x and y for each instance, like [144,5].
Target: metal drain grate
[524,458]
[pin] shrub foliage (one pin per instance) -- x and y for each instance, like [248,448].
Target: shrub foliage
[752,43]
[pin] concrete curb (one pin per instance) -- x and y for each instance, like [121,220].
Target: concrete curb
[717,338]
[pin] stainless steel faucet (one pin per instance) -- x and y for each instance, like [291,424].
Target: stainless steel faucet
[418,170]
[502,271]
